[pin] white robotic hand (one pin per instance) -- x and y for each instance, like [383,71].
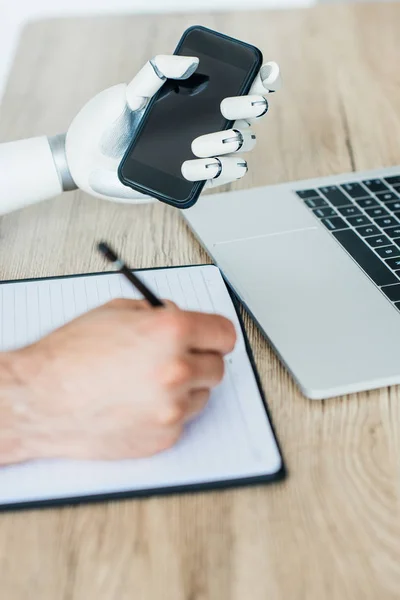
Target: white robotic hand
[100,134]
[89,154]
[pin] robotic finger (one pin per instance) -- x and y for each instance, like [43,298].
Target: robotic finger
[244,107]
[268,79]
[154,74]
[255,105]
[224,142]
[222,169]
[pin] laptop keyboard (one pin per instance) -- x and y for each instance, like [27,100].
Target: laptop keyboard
[364,217]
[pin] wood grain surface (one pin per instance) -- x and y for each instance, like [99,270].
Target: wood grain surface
[332,530]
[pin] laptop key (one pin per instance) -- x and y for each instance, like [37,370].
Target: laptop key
[325,212]
[307,194]
[359,221]
[393,206]
[392,292]
[393,263]
[355,190]
[350,211]
[335,196]
[388,251]
[376,185]
[367,202]
[315,202]
[387,197]
[393,180]
[393,232]
[365,257]
[386,222]
[377,212]
[334,223]
[378,240]
[367,231]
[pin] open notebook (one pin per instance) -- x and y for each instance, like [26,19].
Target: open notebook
[231,443]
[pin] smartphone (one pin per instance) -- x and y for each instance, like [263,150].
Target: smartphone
[184,110]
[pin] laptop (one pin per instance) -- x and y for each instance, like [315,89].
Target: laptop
[317,265]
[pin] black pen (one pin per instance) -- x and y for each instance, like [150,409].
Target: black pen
[110,255]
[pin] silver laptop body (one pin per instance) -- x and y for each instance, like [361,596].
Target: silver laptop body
[326,308]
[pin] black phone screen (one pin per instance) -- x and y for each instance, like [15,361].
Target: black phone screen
[184,110]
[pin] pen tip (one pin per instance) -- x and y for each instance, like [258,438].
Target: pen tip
[106,251]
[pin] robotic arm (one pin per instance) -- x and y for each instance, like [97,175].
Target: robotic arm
[88,155]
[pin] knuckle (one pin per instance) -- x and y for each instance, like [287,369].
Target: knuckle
[178,373]
[201,398]
[169,304]
[175,435]
[175,325]
[244,167]
[124,304]
[169,440]
[171,414]
[117,303]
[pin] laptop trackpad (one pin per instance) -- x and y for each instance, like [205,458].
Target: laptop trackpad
[317,307]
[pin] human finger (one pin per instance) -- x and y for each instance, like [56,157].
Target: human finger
[207,369]
[196,402]
[199,332]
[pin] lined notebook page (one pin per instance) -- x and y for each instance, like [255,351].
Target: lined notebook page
[232,439]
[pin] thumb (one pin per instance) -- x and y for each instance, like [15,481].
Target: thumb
[154,74]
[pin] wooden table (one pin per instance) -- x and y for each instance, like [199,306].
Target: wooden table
[332,530]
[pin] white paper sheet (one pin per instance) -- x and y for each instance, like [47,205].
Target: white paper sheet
[231,440]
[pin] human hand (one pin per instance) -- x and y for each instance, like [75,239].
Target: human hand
[99,135]
[119,382]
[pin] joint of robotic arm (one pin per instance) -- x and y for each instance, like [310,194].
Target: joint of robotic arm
[57,147]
